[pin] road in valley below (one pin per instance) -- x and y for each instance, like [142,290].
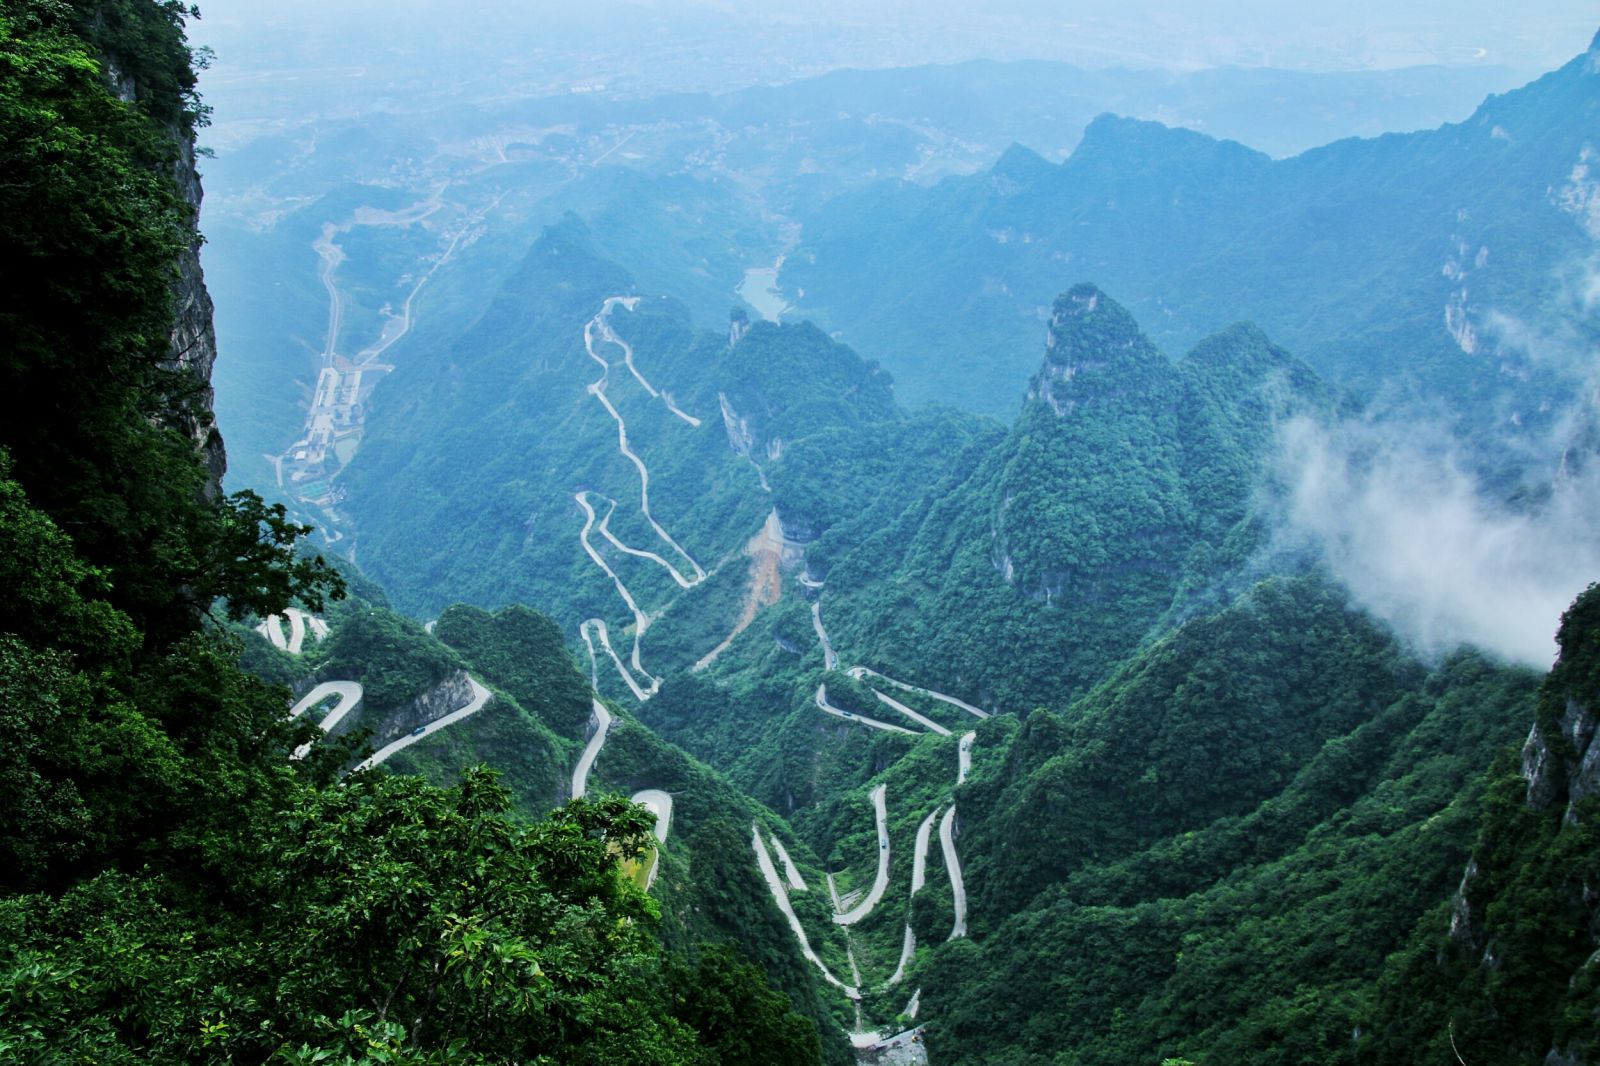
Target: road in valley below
[781,896]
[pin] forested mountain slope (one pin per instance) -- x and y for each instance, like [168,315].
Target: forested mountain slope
[1124,493]
[1213,854]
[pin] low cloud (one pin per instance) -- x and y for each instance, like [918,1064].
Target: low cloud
[1420,544]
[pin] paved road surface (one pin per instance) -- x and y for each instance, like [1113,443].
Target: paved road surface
[919,877]
[781,897]
[580,773]
[829,659]
[861,672]
[609,334]
[908,946]
[880,883]
[297,630]
[850,716]
[952,864]
[920,719]
[796,882]
[964,757]
[480,696]
[597,389]
[640,553]
[349,693]
[660,804]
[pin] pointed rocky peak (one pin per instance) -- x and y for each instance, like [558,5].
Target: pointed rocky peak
[1113,144]
[738,326]
[1093,347]
[1087,326]
[1021,167]
[1241,346]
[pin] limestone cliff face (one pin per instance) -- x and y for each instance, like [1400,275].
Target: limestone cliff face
[1563,764]
[194,337]
[449,695]
[1538,871]
[194,340]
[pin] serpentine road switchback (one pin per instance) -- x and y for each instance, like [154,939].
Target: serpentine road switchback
[594,628]
[655,800]
[349,694]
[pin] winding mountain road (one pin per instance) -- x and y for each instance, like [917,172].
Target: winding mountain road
[597,740]
[597,389]
[952,863]
[964,757]
[920,719]
[919,877]
[609,334]
[300,624]
[655,800]
[830,660]
[796,882]
[781,896]
[863,672]
[850,716]
[480,696]
[596,627]
[349,693]
[880,883]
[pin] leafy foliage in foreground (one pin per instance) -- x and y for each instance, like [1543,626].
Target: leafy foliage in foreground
[385,921]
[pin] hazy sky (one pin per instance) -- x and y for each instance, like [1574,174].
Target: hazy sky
[1176,34]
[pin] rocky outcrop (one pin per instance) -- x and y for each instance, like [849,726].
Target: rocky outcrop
[194,337]
[1088,334]
[451,694]
[1528,905]
[193,341]
[1563,764]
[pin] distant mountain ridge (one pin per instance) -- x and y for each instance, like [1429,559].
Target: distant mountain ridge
[1388,264]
